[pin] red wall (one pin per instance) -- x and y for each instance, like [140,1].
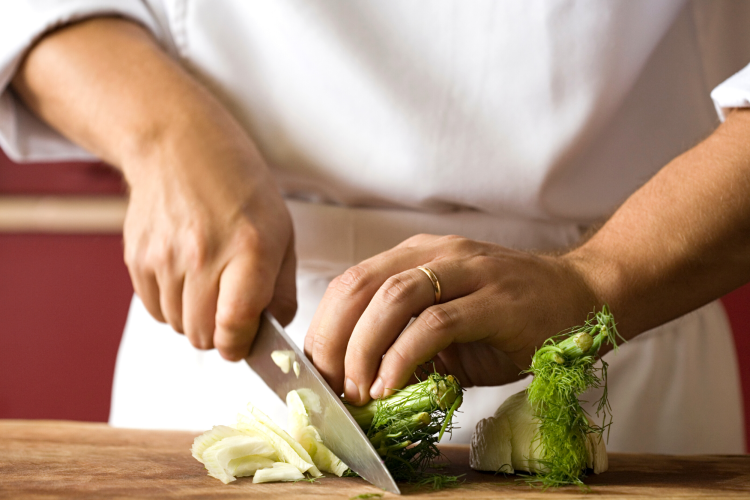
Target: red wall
[737,305]
[63,304]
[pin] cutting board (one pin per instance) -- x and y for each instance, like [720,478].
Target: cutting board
[51,459]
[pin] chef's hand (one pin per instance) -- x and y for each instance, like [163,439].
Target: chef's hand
[497,306]
[208,239]
[678,242]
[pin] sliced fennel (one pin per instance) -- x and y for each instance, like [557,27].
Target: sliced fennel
[284,359]
[218,456]
[247,466]
[288,449]
[254,445]
[309,438]
[279,472]
[207,439]
[310,400]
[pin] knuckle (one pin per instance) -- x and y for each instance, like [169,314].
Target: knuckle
[484,271]
[457,244]
[158,256]
[439,319]
[322,352]
[351,282]
[333,285]
[397,289]
[484,262]
[195,249]
[134,256]
[232,348]
[248,239]
[238,313]
[325,347]
[453,238]
[234,317]
[399,359]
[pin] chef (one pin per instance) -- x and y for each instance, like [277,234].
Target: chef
[496,170]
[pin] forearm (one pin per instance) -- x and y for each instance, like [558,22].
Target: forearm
[208,239]
[681,240]
[107,85]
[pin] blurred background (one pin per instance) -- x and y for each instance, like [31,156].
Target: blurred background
[64,289]
[65,292]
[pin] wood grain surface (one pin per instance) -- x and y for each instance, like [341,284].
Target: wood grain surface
[52,459]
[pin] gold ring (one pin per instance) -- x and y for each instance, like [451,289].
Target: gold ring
[434,280]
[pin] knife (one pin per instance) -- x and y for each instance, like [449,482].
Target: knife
[338,429]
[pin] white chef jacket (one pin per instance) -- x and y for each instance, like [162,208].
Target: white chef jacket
[517,122]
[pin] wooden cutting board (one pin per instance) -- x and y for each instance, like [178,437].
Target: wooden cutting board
[49,459]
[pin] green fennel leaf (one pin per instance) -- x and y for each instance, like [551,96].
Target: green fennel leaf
[563,368]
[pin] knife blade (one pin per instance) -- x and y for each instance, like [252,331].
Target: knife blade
[338,429]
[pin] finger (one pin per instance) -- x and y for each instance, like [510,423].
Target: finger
[467,319]
[199,296]
[344,302]
[245,289]
[146,287]
[345,282]
[401,298]
[283,305]
[170,283]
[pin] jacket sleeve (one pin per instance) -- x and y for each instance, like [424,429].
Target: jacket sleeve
[733,92]
[23,136]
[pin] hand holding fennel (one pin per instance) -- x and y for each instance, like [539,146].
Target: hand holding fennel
[497,305]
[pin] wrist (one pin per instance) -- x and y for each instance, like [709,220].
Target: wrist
[606,281]
[182,142]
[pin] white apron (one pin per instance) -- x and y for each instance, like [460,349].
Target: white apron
[674,389]
[544,110]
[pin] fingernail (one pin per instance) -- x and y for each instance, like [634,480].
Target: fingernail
[351,391]
[376,391]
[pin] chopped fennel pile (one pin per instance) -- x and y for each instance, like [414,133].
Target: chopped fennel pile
[405,428]
[257,447]
[543,430]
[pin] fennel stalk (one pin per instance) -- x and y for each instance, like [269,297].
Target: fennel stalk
[405,428]
[564,368]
